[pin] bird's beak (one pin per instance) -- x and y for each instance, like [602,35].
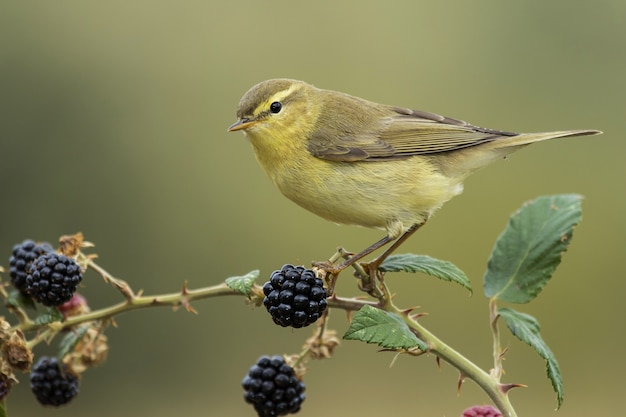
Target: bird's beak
[241,124]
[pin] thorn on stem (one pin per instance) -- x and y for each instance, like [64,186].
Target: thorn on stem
[408,311]
[460,383]
[505,388]
[503,353]
[417,316]
[188,307]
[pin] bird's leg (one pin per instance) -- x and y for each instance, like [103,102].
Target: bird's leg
[336,269]
[373,266]
[370,267]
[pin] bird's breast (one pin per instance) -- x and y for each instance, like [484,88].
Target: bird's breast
[369,194]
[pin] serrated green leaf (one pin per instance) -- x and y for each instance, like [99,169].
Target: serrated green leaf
[67,343]
[530,248]
[373,325]
[526,328]
[50,315]
[244,283]
[409,262]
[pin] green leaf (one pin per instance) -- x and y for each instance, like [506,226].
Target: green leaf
[17,299]
[50,315]
[373,325]
[67,343]
[409,262]
[244,283]
[526,328]
[530,248]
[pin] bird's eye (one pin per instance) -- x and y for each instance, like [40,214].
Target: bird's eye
[275,107]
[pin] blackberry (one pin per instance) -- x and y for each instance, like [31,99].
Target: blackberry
[294,296]
[272,387]
[52,383]
[22,256]
[52,279]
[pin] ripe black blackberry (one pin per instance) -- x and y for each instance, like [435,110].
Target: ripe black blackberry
[272,387]
[52,383]
[294,296]
[22,256]
[52,279]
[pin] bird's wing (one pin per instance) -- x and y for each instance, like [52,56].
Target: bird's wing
[402,134]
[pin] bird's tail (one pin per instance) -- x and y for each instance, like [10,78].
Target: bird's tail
[528,138]
[473,158]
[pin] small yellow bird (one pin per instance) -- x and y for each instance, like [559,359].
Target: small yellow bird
[353,161]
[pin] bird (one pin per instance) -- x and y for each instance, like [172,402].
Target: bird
[356,162]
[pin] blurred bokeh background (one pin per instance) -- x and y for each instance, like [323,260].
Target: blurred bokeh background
[113,121]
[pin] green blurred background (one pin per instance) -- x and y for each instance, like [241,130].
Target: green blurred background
[113,122]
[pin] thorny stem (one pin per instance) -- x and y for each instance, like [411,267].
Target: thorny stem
[369,275]
[497,370]
[467,369]
[177,299]
[42,336]
[133,302]
[349,304]
[118,284]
